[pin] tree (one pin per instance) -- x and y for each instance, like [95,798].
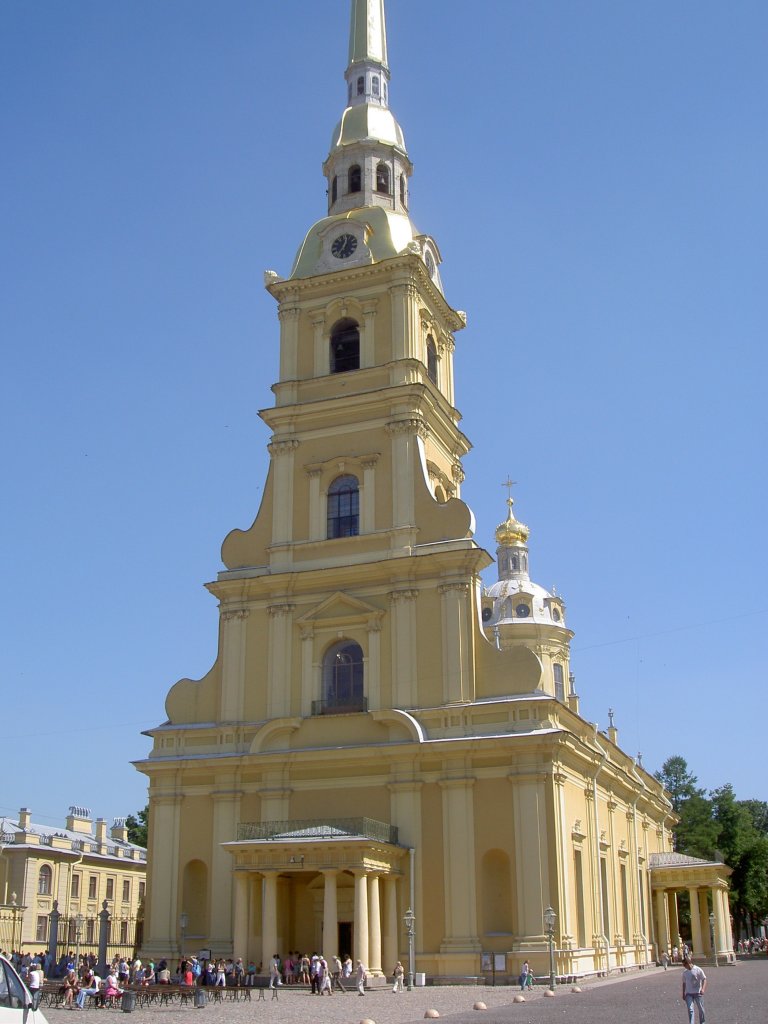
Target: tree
[137,827]
[758,810]
[696,832]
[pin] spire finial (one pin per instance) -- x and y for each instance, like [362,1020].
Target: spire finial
[509,483]
[368,33]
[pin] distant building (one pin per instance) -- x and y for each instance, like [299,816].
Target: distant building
[79,870]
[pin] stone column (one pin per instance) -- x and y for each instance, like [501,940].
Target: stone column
[361,916]
[367,340]
[269,917]
[693,895]
[531,856]
[674,922]
[317,523]
[563,855]
[456,642]
[288,314]
[720,930]
[322,357]
[330,916]
[226,811]
[374,926]
[459,876]
[233,645]
[373,664]
[728,930]
[242,915]
[282,453]
[368,496]
[662,918]
[404,454]
[308,693]
[391,944]
[279,660]
[162,866]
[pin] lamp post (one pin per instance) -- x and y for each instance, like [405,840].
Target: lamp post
[712,937]
[79,922]
[183,922]
[410,920]
[549,924]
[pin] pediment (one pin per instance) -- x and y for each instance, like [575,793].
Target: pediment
[339,609]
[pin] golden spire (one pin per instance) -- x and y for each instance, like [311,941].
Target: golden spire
[368,33]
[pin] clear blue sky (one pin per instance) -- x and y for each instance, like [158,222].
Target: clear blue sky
[595,175]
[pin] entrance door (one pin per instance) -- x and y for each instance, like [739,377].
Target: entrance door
[345,939]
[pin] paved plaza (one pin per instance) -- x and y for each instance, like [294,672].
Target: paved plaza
[736,995]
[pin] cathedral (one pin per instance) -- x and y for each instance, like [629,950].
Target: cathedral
[387,759]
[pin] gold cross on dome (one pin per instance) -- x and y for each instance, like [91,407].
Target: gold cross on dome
[509,483]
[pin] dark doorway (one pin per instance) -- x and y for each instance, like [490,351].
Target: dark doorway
[345,939]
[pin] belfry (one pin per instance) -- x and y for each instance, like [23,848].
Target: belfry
[379,734]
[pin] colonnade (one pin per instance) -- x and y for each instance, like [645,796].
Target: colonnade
[375,924]
[701,899]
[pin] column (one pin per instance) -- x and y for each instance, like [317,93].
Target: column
[289,341]
[164,873]
[662,918]
[391,929]
[368,497]
[317,524]
[563,855]
[242,914]
[402,434]
[399,295]
[330,916]
[717,907]
[374,926]
[674,923]
[531,856]
[269,917]
[361,916]
[373,664]
[226,808]
[459,866]
[321,343]
[728,930]
[454,598]
[367,341]
[308,693]
[233,667]
[693,895]
[282,453]
[404,651]
[279,659]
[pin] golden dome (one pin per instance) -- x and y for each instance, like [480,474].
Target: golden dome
[511,531]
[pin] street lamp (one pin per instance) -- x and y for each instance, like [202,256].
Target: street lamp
[410,921]
[79,922]
[549,924]
[712,937]
[183,922]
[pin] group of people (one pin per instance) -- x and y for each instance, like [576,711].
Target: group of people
[321,976]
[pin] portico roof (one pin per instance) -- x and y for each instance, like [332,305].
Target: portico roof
[680,871]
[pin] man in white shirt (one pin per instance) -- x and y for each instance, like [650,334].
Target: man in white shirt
[694,987]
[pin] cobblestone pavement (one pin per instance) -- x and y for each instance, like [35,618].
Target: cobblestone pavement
[736,995]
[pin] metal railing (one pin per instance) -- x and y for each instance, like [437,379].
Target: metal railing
[318,828]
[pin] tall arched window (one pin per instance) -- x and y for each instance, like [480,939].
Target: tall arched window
[431,359]
[343,516]
[557,672]
[402,189]
[343,677]
[382,178]
[360,85]
[45,881]
[334,189]
[375,85]
[355,178]
[345,347]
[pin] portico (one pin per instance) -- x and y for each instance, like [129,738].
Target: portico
[706,883]
[327,887]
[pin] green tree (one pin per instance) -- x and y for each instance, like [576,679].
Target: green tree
[137,827]
[745,850]
[696,832]
[758,810]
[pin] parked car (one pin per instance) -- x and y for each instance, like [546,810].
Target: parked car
[15,999]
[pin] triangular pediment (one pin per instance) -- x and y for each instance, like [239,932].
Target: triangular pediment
[338,609]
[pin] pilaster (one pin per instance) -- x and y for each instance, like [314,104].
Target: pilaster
[280,651]
[233,643]
[404,648]
[460,897]
[455,637]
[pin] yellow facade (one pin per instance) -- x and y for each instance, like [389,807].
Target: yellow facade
[78,870]
[379,733]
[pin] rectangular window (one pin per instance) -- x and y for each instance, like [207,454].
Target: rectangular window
[110,888]
[75,887]
[642,900]
[93,887]
[604,897]
[579,880]
[90,931]
[124,933]
[126,891]
[142,890]
[41,932]
[625,901]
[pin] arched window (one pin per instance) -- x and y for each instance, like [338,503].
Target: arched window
[334,189]
[343,677]
[515,563]
[343,507]
[355,178]
[45,881]
[360,85]
[375,85]
[382,178]
[345,347]
[431,359]
[402,189]
[557,672]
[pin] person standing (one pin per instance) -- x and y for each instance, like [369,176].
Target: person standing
[35,984]
[694,987]
[524,975]
[397,977]
[362,974]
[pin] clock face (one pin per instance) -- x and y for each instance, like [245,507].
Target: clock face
[343,246]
